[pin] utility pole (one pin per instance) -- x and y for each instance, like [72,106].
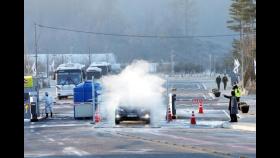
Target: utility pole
[242,54]
[210,63]
[172,62]
[47,65]
[48,80]
[36,49]
[89,56]
[36,60]
[214,64]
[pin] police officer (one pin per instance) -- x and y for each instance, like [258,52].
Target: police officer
[233,106]
[237,91]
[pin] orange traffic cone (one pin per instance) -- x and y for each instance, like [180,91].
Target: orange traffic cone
[169,115]
[97,117]
[193,122]
[200,109]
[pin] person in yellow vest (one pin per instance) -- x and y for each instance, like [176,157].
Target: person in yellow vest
[237,91]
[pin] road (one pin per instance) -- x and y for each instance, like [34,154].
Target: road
[62,136]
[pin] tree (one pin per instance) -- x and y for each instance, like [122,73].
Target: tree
[27,62]
[243,20]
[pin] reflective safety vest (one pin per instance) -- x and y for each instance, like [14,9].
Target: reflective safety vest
[237,92]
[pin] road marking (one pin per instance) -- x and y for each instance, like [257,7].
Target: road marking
[226,114]
[239,116]
[72,150]
[190,148]
[132,151]
[50,139]
[37,155]
[204,96]
[244,127]
[59,125]
[60,143]
[211,95]
[204,86]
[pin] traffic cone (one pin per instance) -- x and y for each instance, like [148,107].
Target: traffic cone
[193,122]
[169,115]
[97,117]
[200,109]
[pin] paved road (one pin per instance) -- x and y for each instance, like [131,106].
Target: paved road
[62,136]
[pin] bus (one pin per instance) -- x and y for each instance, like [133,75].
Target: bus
[94,72]
[67,77]
[104,66]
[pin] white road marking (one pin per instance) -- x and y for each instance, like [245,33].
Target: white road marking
[239,116]
[60,143]
[58,125]
[226,114]
[204,96]
[211,95]
[132,151]
[37,155]
[204,86]
[50,139]
[72,150]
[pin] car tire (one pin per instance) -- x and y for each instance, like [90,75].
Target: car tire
[59,97]
[117,122]
[148,121]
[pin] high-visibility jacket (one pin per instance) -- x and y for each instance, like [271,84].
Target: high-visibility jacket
[237,92]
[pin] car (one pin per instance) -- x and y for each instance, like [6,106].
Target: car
[123,113]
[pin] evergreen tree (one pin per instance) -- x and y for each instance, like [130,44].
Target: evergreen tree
[243,20]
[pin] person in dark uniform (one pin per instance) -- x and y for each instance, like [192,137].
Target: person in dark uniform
[225,80]
[218,81]
[233,107]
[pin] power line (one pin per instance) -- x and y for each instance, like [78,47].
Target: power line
[134,35]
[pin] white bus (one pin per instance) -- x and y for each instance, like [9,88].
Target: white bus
[104,66]
[67,77]
[94,72]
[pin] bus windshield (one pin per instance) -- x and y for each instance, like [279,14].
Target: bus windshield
[105,69]
[67,78]
[95,74]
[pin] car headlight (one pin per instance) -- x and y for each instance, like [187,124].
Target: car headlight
[117,116]
[146,116]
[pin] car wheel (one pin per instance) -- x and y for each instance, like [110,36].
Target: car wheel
[148,121]
[117,122]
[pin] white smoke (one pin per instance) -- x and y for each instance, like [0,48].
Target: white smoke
[134,86]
